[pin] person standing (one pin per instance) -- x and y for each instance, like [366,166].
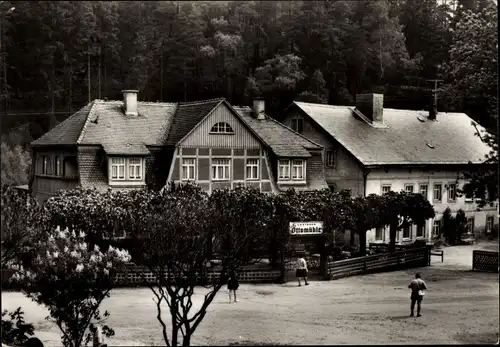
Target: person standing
[418,288]
[97,339]
[301,271]
[232,285]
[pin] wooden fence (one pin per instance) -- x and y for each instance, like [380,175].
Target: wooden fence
[415,257]
[485,261]
[140,275]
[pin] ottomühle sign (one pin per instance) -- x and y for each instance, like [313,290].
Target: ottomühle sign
[306,228]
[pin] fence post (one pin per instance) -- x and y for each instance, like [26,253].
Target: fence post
[364,264]
[473,260]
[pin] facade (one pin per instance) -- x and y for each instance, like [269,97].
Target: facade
[129,145]
[370,150]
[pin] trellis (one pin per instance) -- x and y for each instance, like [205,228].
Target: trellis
[485,261]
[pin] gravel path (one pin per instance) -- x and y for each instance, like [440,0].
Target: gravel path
[461,307]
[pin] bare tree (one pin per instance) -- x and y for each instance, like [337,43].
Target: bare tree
[178,234]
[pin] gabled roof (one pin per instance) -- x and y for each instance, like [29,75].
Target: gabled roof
[188,115]
[283,141]
[104,123]
[66,132]
[409,138]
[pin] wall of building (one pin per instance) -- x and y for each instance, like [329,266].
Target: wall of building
[399,178]
[46,184]
[347,173]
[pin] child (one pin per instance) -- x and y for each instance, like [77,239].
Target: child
[232,285]
[301,271]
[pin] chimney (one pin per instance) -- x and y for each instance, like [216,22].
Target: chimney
[433,110]
[130,102]
[259,109]
[371,106]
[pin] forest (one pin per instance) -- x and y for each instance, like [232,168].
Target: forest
[59,55]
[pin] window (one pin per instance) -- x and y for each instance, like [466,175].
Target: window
[469,199]
[298,170]
[57,166]
[386,188]
[284,170]
[407,232]
[421,230]
[188,169]
[409,188]
[298,125]
[330,158]
[424,190]
[220,169]
[252,169]
[134,168]
[222,128]
[45,167]
[451,191]
[489,224]
[379,234]
[117,168]
[470,225]
[436,228]
[438,191]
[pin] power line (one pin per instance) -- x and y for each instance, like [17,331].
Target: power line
[36,113]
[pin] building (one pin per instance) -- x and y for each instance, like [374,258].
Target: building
[369,149]
[131,144]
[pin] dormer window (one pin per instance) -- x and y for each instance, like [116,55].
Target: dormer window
[291,170]
[221,128]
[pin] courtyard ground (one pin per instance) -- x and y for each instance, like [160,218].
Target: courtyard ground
[460,307]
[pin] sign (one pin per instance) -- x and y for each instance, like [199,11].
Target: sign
[306,228]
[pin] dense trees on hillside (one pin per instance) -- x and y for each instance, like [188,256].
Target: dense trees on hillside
[58,55]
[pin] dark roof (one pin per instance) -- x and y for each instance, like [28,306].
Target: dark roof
[188,115]
[283,141]
[408,138]
[66,132]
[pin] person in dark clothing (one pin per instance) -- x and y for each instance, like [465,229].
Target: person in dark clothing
[418,288]
[232,285]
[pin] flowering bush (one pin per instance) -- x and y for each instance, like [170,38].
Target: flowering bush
[71,280]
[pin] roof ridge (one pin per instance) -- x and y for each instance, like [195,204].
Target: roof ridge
[87,120]
[200,101]
[323,105]
[290,129]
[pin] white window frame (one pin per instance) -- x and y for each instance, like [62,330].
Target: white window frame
[221,128]
[186,165]
[436,227]
[285,165]
[448,189]
[252,169]
[330,158]
[490,222]
[408,185]
[470,226]
[295,124]
[131,167]
[385,186]
[223,163]
[118,162]
[426,195]
[296,164]
[440,192]
[379,234]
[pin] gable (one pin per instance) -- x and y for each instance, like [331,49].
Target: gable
[201,136]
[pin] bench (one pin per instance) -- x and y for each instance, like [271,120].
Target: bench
[439,253]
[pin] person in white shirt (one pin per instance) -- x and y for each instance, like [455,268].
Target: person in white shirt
[301,271]
[418,288]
